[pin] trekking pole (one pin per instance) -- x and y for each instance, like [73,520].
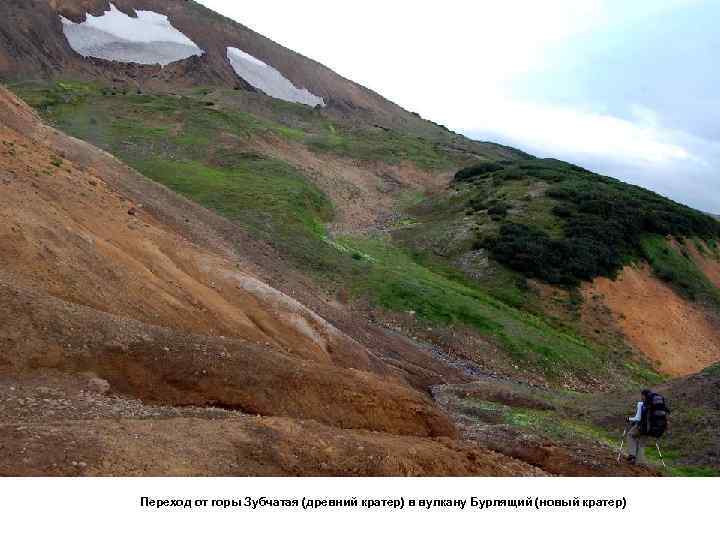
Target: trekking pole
[622,444]
[657,445]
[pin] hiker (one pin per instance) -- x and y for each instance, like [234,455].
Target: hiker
[650,420]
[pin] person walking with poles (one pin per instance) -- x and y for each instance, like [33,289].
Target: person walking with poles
[635,440]
[650,420]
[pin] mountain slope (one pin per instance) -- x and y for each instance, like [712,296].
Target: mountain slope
[33,46]
[97,285]
[327,194]
[136,341]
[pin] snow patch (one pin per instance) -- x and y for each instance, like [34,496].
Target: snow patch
[147,39]
[268,79]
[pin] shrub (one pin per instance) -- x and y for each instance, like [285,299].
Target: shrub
[533,252]
[499,209]
[477,204]
[510,174]
[563,211]
[477,170]
[603,224]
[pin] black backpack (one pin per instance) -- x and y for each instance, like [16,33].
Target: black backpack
[655,413]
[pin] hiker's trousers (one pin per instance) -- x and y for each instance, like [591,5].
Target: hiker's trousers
[636,444]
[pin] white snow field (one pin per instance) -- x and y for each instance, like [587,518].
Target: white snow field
[268,79]
[147,39]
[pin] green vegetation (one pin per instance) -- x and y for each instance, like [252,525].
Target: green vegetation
[641,373]
[399,282]
[604,222]
[691,471]
[532,252]
[546,423]
[554,425]
[263,193]
[189,146]
[559,223]
[675,266]
[381,144]
[567,417]
[104,115]
[478,170]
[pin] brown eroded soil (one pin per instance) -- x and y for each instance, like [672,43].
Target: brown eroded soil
[677,335]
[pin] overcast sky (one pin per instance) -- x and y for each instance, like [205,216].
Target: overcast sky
[626,88]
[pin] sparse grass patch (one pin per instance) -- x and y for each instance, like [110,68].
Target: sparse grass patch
[384,145]
[551,424]
[690,471]
[644,374]
[398,282]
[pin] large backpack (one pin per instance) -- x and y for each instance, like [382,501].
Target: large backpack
[655,413]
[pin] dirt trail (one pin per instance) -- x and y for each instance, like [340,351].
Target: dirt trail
[236,447]
[676,334]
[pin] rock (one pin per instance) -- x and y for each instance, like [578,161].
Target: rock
[98,385]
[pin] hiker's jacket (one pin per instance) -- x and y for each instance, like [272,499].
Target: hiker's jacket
[638,414]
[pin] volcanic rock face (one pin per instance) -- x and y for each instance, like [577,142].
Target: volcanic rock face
[148,38]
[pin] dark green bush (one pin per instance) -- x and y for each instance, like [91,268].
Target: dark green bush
[563,211]
[499,209]
[510,174]
[477,204]
[477,170]
[533,252]
[603,224]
